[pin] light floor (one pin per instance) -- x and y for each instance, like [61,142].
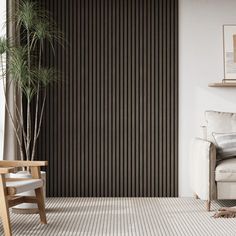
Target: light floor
[125,216]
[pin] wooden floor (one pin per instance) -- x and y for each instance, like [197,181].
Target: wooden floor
[125,216]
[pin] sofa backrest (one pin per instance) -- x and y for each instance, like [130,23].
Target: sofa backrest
[219,122]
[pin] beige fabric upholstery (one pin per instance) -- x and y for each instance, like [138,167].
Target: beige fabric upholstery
[226,171]
[226,190]
[25,185]
[219,122]
[203,162]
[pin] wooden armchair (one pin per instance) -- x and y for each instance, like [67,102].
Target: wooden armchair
[10,187]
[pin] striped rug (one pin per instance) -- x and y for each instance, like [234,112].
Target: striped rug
[125,216]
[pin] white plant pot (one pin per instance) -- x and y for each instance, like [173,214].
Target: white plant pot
[28,208]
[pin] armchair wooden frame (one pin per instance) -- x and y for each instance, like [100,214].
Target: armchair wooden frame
[8,197]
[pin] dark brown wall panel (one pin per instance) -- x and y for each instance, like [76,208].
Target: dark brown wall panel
[111,124]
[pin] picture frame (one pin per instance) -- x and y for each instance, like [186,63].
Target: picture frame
[229,45]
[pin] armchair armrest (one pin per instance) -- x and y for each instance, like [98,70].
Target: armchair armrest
[6,170]
[203,163]
[23,163]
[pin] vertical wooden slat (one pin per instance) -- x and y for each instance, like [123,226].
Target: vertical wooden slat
[77,64]
[132,166]
[153,102]
[50,97]
[82,95]
[129,97]
[141,111]
[105,111]
[66,100]
[55,107]
[156,97]
[72,131]
[102,57]
[148,101]
[168,87]
[121,90]
[164,90]
[111,124]
[113,170]
[137,98]
[98,104]
[109,110]
[125,101]
[86,105]
[90,97]
[160,140]
[172,98]
[176,88]
[118,126]
[144,83]
[76,101]
[94,133]
[59,111]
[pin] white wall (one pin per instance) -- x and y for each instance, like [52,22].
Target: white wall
[201,62]
[2,101]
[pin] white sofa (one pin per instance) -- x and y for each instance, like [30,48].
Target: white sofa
[212,179]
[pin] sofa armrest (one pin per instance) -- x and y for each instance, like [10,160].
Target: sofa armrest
[203,163]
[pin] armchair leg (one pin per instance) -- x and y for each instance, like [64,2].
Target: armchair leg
[208,205]
[41,205]
[4,209]
[5,220]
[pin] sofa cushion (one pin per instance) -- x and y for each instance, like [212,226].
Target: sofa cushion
[226,170]
[219,122]
[225,145]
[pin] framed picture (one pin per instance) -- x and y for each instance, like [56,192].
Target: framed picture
[229,38]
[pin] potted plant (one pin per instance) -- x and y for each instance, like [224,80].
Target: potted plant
[21,67]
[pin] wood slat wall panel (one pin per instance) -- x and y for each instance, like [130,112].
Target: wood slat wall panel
[111,124]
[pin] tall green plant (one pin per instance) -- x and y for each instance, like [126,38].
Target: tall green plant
[25,72]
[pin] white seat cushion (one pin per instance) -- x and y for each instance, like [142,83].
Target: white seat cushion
[226,171]
[25,185]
